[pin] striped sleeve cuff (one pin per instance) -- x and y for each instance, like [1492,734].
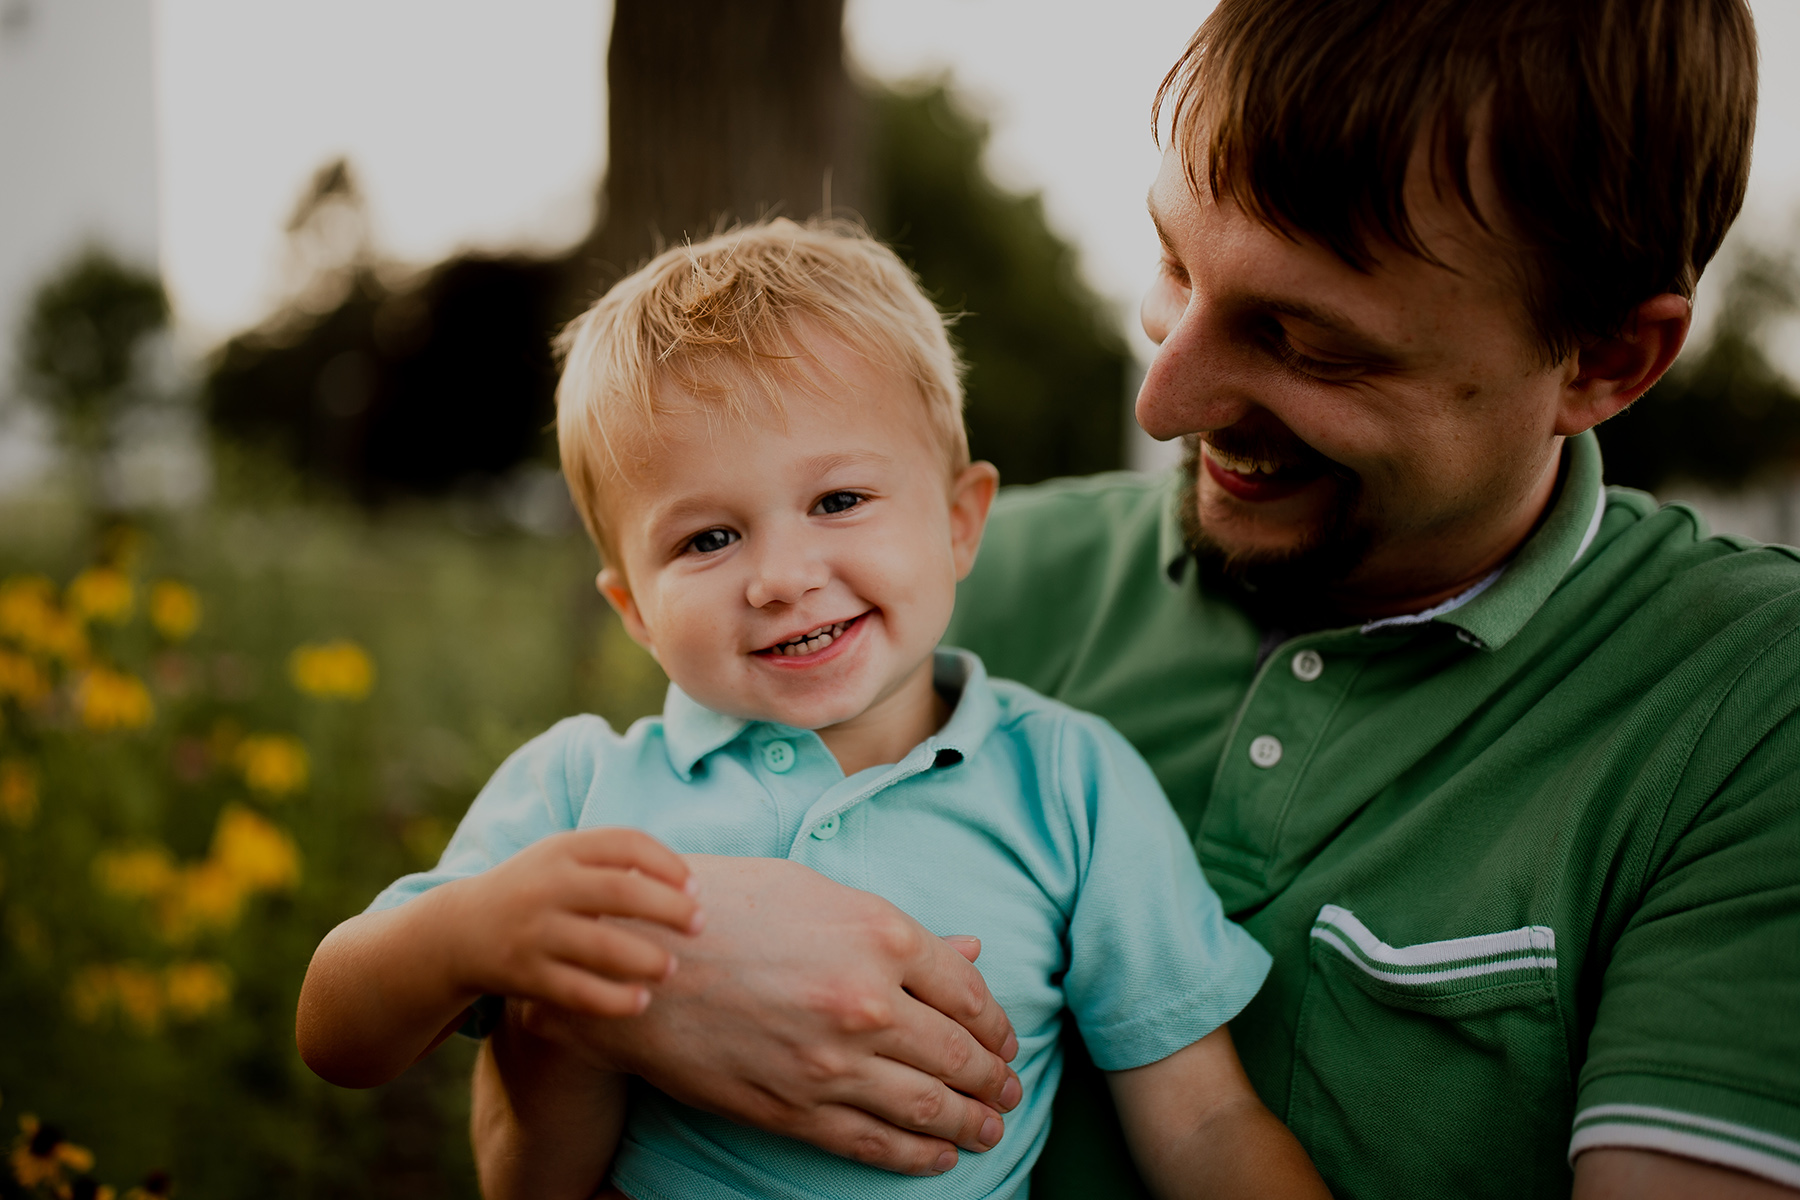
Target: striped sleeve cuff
[1689,1135]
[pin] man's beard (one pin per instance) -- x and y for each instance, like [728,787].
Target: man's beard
[1292,586]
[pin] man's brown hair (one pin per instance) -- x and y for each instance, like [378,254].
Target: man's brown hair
[1619,132]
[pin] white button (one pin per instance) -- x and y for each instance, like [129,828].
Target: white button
[1265,751]
[827,829]
[1308,666]
[779,757]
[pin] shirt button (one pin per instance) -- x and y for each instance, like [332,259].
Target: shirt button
[1308,666]
[779,757]
[1265,751]
[827,829]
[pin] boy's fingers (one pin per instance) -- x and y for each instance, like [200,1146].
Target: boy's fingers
[629,848]
[583,991]
[609,949]
[611,892]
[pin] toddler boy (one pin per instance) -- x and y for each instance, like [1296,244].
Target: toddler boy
[763,433]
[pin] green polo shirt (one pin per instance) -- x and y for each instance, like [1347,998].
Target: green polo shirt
[1529,866]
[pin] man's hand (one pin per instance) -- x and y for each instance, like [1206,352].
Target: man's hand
[818,1012]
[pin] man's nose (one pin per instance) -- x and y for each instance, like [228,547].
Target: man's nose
[1193,384]
[785,570]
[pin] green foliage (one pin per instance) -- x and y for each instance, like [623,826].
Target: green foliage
[333,787]
[1047,368]
[80,341]
[1724,416]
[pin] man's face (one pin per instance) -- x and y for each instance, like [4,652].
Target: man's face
[1386,435]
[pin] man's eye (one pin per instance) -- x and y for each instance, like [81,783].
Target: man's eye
[711,541]
[837,502]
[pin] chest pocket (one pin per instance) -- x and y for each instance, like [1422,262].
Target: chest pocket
[1438,1069]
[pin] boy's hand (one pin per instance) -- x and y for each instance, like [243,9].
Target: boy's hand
[542,925]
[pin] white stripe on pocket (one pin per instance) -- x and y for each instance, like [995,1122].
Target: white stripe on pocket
[1423,977]
[1536,940]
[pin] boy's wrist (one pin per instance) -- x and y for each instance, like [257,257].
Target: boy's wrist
[441,927]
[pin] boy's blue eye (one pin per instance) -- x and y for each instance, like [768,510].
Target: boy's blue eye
[712,540]
[837,502]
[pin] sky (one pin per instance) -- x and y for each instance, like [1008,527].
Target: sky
[476,125]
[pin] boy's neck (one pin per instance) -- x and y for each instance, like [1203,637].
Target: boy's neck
[893,725]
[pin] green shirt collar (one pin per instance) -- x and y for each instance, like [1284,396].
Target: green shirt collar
[1497,607]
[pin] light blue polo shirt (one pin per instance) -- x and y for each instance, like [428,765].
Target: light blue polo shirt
[1027,823]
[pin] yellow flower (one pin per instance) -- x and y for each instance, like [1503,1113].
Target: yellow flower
[108,699]
[174,609]
[21,676]
[29,616]
[259,856]
[143,873]
[195,989]
[338,670]
[273,763]
[18,791]
[206,896]
[41,1154]
[134,991]
[102,594]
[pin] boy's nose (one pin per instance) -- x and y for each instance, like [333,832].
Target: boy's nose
[784,576]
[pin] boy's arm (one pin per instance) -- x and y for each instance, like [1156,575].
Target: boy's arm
[386,987]
[1196,1128]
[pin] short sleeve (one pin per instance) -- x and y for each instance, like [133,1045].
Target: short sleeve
[1696,1042]
[538,791]
[1154,964]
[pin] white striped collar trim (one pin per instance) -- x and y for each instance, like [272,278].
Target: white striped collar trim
[1649,1127]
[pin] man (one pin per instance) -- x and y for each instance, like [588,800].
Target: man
[1503,769]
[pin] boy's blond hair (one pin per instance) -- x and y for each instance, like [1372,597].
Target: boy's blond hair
[719,321]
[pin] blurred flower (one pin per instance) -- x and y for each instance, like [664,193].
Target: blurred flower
[254,852]
[86,1188]
[109,699]
[21,676]
[41,1154]
[174,609]
[174,673]
[136,992]
[338,670]
[195,989]
[273,763]
[156,1185]
[101,594]
[29,615]
[191,758]
[205,896]
[18,791]
[143,873]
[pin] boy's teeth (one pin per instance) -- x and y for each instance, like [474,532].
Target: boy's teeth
[807,643]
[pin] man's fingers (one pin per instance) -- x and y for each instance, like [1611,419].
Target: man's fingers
[965,944]
[919,1103]
[854,1134]
[609,949]
[927,1041]
[611,892]
[942,978]
[629,848]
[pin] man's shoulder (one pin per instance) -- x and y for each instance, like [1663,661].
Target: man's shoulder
[1073,513]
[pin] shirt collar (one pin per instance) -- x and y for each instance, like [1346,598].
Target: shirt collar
[1491,612]
[692,731]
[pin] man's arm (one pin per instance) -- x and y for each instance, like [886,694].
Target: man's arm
[1613,1174]
[1197,1129]
[807,1009]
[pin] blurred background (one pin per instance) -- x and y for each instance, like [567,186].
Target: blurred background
[286,565]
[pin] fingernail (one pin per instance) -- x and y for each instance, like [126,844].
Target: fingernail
[698,921]
[1011,1047]
[643,999]
[667,971]
[945,1161]
[1011,1092]
[692,886]
[991,1129]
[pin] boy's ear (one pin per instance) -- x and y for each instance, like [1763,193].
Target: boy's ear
[971,495]
[611,583]
[1612,372]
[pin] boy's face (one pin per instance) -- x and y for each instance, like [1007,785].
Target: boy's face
[797,570]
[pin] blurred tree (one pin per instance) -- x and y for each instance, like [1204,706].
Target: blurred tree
[1725,416]
[80,353]
[717,112]
[1047,366]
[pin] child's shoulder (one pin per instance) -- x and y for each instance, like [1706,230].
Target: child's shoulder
[1078,741]
[584,745]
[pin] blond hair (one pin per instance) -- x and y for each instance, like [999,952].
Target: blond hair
[718,321]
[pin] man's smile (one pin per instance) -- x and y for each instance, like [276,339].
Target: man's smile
[1262,474]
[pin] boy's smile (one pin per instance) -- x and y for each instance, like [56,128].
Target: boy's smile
[800,566]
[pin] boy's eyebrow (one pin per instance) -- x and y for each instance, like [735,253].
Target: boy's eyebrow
[825,464]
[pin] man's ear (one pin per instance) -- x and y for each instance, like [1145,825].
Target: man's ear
[612,585]
[1614,371]
[971,495]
